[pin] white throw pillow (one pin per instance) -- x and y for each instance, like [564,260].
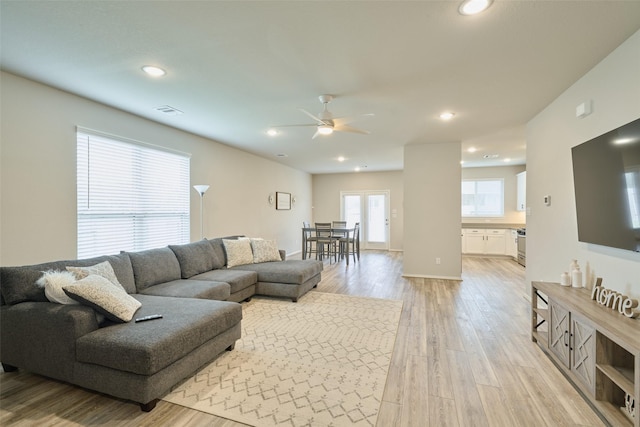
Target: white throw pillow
[53,281]
[265,250]
[103,269]
[104,297]
[238,252]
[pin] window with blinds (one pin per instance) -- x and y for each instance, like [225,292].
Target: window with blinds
[131,196]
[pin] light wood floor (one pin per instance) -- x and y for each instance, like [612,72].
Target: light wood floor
[463,357]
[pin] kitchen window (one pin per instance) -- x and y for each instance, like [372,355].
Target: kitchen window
[483,198]
[131,196]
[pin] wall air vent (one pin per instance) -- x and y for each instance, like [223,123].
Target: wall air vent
[168,110]
[491,156]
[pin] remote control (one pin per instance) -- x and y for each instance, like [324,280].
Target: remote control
[149,317]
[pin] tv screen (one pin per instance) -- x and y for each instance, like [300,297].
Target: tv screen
[606,176]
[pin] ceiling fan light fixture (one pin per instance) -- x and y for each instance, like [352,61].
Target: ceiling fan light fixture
[447,115]
[154,71]
[325,129]
[473,7]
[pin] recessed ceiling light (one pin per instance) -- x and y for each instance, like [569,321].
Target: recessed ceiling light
[272,132]
[341,159]
[154,71]
[357,169]
[472,149]
[462,162]
[507,160]
[448,115]
[473,7]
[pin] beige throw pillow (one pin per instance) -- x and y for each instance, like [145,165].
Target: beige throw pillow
[265,250]
[104,297]
[238,252]
[103,269]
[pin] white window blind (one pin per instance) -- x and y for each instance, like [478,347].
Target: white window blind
[131,196]
[483,198]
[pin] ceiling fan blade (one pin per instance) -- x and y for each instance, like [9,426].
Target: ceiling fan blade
[289,126]
[345,128]
[339,121]
[315,134]
[320,121]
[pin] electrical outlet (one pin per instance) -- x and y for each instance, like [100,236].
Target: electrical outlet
[437,260]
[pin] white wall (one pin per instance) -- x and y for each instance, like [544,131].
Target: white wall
[613,86]
[326,197]
[432,210]
[38,175]
[508,173]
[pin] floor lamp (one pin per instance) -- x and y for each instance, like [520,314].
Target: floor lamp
[201,189]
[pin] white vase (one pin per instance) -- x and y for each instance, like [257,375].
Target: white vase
[576,278]
[572,266]
[565,279]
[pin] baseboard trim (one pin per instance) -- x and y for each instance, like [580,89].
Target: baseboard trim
[426,276]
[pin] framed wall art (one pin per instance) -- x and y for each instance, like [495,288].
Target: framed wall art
[283,201]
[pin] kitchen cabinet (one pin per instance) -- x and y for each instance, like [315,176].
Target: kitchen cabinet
[521,180]
[484,241]
[596,348]
[511,237]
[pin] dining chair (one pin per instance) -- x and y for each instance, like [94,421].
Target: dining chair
[339,235]
[325,243]
[351,245]
[310,240]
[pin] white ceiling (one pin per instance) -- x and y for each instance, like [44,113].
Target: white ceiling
[236,68]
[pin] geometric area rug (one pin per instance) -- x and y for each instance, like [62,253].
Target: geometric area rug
[322,361]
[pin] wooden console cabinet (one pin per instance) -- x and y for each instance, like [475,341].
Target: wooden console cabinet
[596,348]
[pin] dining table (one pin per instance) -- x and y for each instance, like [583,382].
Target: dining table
[343,232]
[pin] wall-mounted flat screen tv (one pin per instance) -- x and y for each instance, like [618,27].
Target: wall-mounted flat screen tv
[606,177]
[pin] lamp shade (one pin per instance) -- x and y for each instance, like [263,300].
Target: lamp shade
[201,188]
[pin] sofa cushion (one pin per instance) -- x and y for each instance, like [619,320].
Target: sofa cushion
[18,284]
[145,348]
[238,252]
[290,271]
[105,297]
[154,266]
[191,289]
[195,258]
[238,280]
[265,250]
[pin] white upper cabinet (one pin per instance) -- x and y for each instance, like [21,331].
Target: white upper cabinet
[522,191]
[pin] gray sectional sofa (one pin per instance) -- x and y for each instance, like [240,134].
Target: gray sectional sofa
[189,285]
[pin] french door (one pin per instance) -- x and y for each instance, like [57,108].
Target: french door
[371,210]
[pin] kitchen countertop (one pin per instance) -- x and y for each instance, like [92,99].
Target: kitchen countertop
[495,225]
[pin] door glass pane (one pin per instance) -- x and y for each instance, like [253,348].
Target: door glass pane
[376,224]
[352,212]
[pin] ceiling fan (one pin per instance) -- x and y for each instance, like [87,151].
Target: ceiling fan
[326,124]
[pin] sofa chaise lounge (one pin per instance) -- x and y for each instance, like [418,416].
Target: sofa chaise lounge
[190,285]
